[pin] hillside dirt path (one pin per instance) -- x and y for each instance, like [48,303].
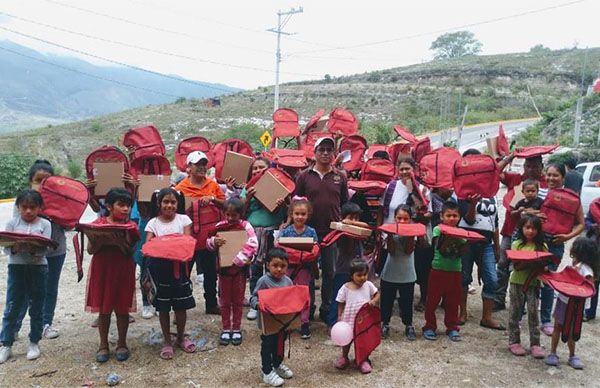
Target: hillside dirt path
[481,359]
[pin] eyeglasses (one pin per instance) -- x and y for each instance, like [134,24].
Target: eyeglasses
[324,150]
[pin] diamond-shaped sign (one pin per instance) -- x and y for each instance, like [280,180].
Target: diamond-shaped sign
[265,139]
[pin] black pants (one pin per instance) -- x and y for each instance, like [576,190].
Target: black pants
[423,258]
[207,261]
[269,357]
[405,301]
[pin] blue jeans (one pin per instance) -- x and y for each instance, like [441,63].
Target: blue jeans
[547,293]
[55,265]
[338,281]
[25,282]
[591,312]
[481,253]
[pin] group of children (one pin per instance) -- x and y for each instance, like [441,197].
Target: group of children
[111,283]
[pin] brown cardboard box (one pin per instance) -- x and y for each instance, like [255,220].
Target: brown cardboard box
[235,240]
[107,176]
[237,166]
[150,183]
[492,146]
[350,229]
[271,324]
[269,190]
[300,243]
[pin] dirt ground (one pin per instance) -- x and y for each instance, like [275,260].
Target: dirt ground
[481,359]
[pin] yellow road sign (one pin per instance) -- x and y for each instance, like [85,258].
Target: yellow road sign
[266,139]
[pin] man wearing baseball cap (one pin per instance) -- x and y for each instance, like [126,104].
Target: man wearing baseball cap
[204,189]
[327,189]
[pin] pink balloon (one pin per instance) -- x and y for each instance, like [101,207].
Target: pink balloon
[341,333]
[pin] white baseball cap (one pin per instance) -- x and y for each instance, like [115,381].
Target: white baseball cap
[196,156]
[322,139]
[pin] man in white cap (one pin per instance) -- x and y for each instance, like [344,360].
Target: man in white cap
[327,189]
[204,189]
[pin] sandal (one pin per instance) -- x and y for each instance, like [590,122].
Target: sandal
[225,338]
[122,354]
[102,355]
[166,353]
[187,346]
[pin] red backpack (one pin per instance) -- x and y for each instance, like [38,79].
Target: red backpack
[533,151]
[204,221]
[143,141]
[105,153]
[195,143]
[285,123]
[8,239]
[405,134]
[421,148]
[150,165]
[378,170]
[475,174]
[560,208]
[64,199]
[284,157]
[220,150]
[298,256]
[312,123]
[307,143]
[595,210]
[435,168]
[367,332]
[397,149]
[342,122]
[375,148]
[357,145]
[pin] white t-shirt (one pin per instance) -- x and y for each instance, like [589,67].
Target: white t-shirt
[585,271]
[176,225]
[399,197]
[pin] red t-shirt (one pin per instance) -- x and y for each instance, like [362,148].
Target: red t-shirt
[512,179]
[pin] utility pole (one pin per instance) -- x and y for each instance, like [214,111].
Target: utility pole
[279,31]
[578,113]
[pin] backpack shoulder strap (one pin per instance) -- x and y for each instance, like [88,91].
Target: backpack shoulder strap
[387,197]
[78,240]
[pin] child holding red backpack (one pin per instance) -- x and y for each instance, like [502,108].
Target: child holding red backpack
[300,211]
[172,292]
[232,280]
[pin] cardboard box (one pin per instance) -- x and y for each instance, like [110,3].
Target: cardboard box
[151,183]
[272,324]
[351,229]
[107,176]
[269,190]
[300,243]
[235,240]
[237,166]
[492,146]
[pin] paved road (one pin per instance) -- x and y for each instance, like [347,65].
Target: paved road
[474,137]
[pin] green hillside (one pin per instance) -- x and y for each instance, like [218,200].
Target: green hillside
[423,97]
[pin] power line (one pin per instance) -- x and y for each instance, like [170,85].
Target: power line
[147,49]
[116,62]
[406,37]
[86,74]
[155,28]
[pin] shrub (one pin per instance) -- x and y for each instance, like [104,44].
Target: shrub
[74,169]
[14,170]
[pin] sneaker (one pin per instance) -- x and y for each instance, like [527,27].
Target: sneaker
[517,349]
[33,351]
[365,367]
[547,329]
[252,314]
[385,331]
[410,334]
[225,338]
[305,331]
[272,379]
[429,335]
[5,353]
[50,332]
[537,352]
[284,372]
[575,363]
[236,338]
[147,312]
[342,362]
[199,279]
[552,359]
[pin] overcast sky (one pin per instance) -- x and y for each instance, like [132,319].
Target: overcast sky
[232,34]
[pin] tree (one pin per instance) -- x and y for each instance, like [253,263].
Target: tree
[455,44]
[539,49]
[327,78]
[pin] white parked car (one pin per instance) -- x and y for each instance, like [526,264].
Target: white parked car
[591,178]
